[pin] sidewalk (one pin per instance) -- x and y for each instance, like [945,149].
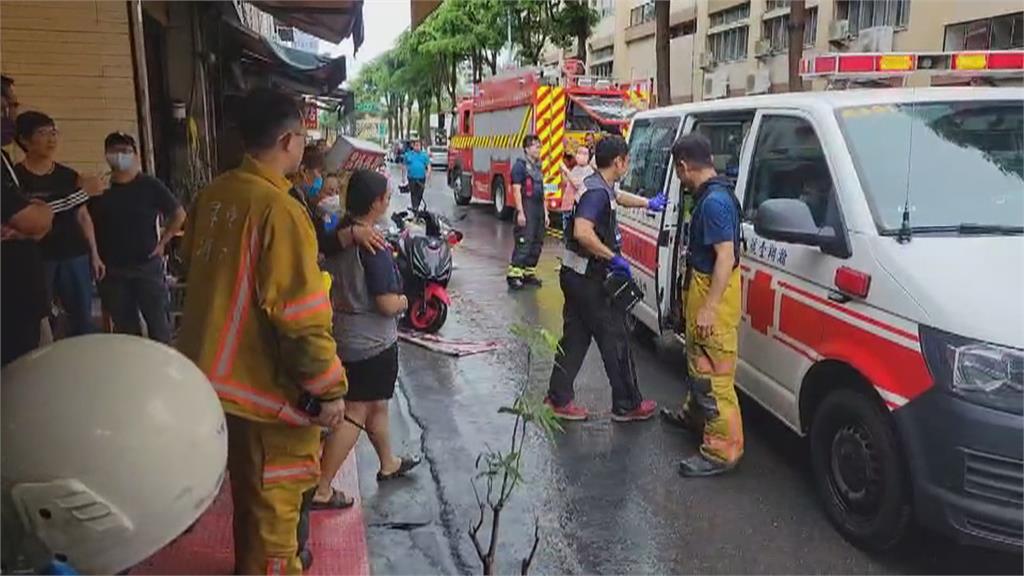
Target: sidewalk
[338,539]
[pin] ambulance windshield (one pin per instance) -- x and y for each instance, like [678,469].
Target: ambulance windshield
[953,166]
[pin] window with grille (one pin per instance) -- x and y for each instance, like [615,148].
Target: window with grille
[999,33]
[730,44]
[641,14]
[864,14]
[603,70]
[776,30]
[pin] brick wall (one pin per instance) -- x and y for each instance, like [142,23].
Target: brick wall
[73,61]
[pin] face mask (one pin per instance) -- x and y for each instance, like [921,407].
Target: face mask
[314,188]
[331,204]
[121,161]
[8,130]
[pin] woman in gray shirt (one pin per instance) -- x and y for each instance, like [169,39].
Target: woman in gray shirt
[367,297]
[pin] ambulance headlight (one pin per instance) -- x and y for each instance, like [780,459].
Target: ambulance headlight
[979,372]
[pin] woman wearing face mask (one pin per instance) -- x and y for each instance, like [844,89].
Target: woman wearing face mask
[328,203]
[126,229]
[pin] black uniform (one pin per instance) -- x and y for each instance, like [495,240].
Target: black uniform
[24,283]
[530,238]
[588,312]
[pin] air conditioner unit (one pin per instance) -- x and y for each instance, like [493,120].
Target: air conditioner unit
[839,31]
[760,82]
[762,48]
[716,86]
[707,61]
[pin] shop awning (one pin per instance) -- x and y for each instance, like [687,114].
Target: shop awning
[263,59]
[329,20]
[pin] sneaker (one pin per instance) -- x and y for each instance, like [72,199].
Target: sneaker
[514,283]
[644,411]
[533,281]
[697,466]
[568,412]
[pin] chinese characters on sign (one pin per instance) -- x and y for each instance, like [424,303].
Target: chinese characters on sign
[765,250]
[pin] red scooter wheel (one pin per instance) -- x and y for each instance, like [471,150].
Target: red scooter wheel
[428,315]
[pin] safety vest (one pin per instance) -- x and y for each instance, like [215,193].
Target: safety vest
[607,232]
[257,317]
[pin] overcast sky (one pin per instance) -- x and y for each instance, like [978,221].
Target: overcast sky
[383,21]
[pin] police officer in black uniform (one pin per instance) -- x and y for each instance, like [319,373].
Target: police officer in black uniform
[531,216]
[592,253]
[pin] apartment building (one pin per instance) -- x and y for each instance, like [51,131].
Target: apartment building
[721,48]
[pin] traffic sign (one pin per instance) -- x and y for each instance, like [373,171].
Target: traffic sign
[368,106]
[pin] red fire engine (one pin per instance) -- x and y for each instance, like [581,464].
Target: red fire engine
[557,105]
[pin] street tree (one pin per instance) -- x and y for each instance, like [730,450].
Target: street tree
[797,17]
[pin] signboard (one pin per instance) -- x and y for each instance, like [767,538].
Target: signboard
[312,117]
[369,106]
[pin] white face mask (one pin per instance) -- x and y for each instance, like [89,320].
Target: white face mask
[121,160]
[331,204]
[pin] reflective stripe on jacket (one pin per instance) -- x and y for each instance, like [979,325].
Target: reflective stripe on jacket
[257,319]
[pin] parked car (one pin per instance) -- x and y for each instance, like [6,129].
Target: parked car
[438,157]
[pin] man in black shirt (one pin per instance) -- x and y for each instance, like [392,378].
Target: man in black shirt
[69,250]
[129,244]
[23,291]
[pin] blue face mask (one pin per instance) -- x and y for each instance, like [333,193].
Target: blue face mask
[314,188]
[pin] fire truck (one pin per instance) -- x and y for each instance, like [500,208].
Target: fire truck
[558,105]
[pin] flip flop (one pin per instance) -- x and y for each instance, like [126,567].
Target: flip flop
[408,463]
[337,501]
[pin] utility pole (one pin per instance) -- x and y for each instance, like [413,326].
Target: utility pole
[661,51]
[797,13]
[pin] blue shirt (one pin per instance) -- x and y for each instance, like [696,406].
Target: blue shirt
[715,219]
[416,163]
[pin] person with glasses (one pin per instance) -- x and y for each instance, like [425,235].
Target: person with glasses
[257,321]
[70,256]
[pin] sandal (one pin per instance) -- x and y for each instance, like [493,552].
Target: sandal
[408,463]
[337,501]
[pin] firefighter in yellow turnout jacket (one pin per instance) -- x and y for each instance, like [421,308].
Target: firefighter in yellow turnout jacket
[257,321]
[712,310]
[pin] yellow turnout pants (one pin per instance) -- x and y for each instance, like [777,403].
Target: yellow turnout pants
[711,361]
[270,466]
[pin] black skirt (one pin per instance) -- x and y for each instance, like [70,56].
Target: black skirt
[373,379]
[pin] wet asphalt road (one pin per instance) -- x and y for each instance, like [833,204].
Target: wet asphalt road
[606,495]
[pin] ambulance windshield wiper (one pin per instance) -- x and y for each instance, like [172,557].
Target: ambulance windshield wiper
[968,229]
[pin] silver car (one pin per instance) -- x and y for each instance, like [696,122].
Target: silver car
[438,157]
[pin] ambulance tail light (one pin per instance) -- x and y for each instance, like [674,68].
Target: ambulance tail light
[853,282]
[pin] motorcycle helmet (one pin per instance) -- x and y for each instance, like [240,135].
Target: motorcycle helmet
[112,446]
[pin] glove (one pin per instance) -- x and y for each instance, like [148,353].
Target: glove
[619,266]
[657,204]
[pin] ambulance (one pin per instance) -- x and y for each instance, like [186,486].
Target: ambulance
[882,277]
[558,105]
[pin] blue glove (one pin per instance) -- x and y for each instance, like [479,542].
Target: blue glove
[619,266]
[657,204]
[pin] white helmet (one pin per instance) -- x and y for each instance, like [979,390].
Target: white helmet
[112,447]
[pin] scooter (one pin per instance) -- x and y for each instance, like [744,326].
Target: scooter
[422,243]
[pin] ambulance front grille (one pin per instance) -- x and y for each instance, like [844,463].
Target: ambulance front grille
[994,477]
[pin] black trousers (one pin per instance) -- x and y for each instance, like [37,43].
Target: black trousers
[416,186]
[529,240]
[20,333]
[586,315]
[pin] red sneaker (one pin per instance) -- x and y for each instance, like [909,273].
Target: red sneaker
[644,411]
[568,412]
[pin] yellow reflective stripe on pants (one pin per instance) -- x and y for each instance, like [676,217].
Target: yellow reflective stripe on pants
[515,272]
[711,362]
[270,466]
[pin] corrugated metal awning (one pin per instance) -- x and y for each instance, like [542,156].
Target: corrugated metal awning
[329,20]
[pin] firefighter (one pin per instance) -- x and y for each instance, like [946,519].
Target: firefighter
[593,243]
[531,216]
[712,311]
[257,321]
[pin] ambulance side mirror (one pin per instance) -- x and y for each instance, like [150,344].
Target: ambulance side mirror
[790,220]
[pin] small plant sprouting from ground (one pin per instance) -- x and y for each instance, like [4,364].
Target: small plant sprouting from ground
[500,472]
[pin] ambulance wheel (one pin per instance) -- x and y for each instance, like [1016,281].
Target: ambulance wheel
[859,470]
[501,209]
[458,187]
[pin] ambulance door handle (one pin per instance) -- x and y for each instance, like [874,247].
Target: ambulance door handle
[839,297]
[663,238]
